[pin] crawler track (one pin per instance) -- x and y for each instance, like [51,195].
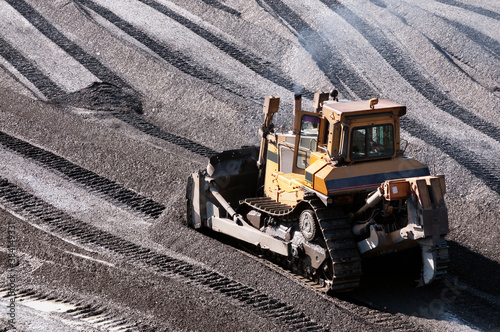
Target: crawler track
[453,296]
[338,70]
[44,214]
[481,168]
[456,45]
[96,183]
[410,72]
[343,250]
[338,241]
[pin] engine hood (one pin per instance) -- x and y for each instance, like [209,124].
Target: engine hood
[333,180]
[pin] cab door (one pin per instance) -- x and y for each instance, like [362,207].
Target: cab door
[306,140]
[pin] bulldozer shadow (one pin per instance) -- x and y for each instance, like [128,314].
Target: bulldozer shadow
[401,268]
[468,295]
[477,270]
[389,284]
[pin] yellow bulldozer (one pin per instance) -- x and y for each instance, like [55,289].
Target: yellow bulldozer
[336,189]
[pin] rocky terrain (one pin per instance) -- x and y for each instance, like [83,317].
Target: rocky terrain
[107,106]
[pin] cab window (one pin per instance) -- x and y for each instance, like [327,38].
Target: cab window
[308,141]
[372,142]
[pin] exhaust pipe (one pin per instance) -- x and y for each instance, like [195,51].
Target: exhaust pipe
[271,106]
[319,99]
[297,107]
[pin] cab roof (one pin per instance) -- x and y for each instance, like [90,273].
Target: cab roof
[362,107]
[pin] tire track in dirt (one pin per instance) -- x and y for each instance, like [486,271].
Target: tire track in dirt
[251,61]
[477,309]
[44,214]
[378,317]
[173,57]
[96,316]
[52,91]
[489,44]
[409,71]
[219,5]
[446,52]
[41,81]
[153,130]
[480,167]
[324,54]
[450,56]
[35,95]
[472,8]
[94,182]
[91,63]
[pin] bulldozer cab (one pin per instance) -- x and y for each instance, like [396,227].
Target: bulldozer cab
[342,147]
[350,132]
[370,130]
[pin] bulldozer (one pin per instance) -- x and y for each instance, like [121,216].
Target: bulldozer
[335,190]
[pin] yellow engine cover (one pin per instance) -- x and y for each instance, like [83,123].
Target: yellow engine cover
[332,180]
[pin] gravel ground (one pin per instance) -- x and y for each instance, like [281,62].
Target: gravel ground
[76,75]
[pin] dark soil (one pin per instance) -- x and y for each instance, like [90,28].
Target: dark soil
[142,92]
[102,96]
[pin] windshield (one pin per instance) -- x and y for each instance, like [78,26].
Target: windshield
[372,142]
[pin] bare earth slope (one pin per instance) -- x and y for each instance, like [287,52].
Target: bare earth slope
[104,104]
